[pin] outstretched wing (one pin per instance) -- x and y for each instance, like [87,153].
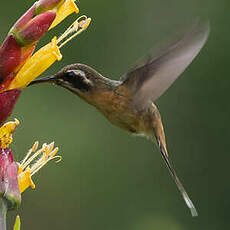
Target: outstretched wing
[151,78]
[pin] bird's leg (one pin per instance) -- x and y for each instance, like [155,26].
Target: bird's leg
[161,141]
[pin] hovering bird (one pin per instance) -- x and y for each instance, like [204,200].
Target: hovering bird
[128,103]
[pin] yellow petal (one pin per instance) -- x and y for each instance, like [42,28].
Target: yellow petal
[6,132]
[67,8]
[36,65]
[25,180]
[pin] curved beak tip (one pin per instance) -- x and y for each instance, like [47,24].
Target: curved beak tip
[50,79]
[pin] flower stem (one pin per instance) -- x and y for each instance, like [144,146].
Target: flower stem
[3,211]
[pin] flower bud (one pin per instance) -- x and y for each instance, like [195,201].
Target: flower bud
[45,5]
[25,18]
[9,189]
[34,29]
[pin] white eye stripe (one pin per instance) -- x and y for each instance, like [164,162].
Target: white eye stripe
[78,73]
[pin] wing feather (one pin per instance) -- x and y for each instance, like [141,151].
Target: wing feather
[150,80]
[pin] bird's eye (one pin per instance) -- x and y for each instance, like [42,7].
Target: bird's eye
[72,75]
[77,79]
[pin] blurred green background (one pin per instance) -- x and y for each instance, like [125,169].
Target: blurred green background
[109,180]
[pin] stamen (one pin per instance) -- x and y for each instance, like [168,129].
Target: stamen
[59,158]
[82,23]
[36,154]
[44,155]
[51,146]
[33,149]
[43,160]
[35,146]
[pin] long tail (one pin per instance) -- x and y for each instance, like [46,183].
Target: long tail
[160,137]
[177,181]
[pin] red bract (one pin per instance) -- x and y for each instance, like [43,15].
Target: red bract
[38,8]
[25,18]
[34,29]
[19,46]
[17,49]
[9,189]
[10,56]
[7,102]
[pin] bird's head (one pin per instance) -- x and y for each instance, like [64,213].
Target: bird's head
[79,79]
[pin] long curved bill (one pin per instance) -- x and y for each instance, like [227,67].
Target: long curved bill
[49,79]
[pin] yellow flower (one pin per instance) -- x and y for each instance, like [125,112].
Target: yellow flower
[6,132]
[64,10]
[47,55]
[33,162]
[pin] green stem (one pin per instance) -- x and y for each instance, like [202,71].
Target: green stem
[3,211]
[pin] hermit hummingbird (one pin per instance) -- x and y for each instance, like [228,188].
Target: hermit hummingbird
[128,102]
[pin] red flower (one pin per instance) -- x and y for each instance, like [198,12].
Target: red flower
[20,43]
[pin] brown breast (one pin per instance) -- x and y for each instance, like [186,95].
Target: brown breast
[118,109]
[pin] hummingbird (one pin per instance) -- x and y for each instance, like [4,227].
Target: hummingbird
[128,102]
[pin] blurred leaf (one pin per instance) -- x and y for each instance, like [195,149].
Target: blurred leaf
[17,223]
